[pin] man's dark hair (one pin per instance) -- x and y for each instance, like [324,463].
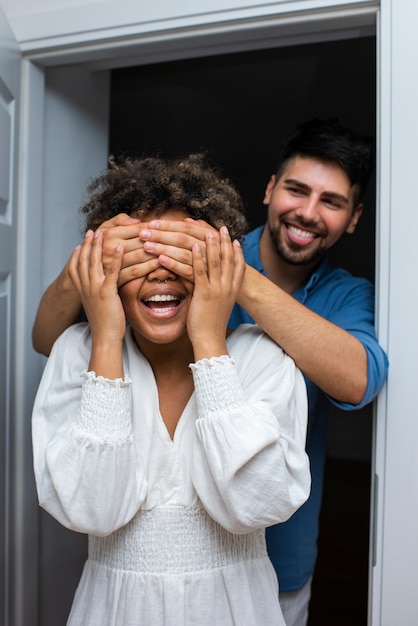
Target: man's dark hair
[329,141]
[142,186]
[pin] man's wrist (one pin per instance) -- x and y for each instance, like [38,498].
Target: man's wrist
[248,290]
[63,282]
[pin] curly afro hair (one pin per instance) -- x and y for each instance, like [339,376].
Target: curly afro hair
[142,186]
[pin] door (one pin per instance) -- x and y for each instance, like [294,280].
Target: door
[9,99]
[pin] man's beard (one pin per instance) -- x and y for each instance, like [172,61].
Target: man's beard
[298,258]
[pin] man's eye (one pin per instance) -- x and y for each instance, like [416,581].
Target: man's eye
[334,204]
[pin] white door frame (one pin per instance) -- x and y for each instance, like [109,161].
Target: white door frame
[393,598]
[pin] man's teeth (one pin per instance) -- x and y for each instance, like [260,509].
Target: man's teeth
[300,232]
[161,298]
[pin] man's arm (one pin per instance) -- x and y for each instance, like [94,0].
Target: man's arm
[60,306]
[331,357]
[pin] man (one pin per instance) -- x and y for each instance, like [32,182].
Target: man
[321,316]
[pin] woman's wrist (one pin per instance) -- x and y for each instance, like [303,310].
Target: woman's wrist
[208,348]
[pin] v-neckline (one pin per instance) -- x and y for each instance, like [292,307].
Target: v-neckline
[180,423]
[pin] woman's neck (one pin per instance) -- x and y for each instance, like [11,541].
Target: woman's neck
[174,380]
[166,357]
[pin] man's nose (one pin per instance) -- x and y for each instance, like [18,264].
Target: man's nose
[309,207]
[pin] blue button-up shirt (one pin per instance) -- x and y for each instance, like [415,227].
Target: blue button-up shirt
[347,302]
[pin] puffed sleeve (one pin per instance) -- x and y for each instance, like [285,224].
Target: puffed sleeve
[87,472]
[250,468]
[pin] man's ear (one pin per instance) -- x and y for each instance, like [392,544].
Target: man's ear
[354,219]
[270,186]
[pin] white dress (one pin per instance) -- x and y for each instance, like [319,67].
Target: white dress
[176,526]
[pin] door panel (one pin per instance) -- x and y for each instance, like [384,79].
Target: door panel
[9,92]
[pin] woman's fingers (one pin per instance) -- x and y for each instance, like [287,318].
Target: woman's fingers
[214,258]
[225,261]
[86,266]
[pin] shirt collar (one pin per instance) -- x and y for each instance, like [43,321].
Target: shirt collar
[252,241]
[302,293]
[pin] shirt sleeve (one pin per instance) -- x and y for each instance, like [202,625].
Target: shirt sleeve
[250,468]
[86,467]
[354,312]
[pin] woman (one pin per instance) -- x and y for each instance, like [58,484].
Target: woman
[172,445]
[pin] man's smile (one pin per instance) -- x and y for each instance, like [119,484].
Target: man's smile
[300,236]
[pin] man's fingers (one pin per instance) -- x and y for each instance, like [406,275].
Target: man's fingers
[113,270]
[135,257]
[138,270]
[126,235]
[122,219]
[182,234]
[179,254]
[181,269]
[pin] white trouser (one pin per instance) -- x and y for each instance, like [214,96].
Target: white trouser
[295,605]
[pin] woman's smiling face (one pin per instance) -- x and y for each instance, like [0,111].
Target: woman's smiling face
[157,305]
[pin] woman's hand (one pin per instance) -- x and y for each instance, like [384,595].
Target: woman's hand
[98,290]
[217,283]
[137,262]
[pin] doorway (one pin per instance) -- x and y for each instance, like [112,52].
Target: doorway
[239,108]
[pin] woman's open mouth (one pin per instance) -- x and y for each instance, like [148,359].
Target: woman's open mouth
[162,303]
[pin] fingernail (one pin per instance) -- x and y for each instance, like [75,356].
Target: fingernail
[155,224]
[224,230]
[145,233]
[149,246]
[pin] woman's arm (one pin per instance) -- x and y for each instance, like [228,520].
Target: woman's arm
[83,439]
[83,445]
[250,467]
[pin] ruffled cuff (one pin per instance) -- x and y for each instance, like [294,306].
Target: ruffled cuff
[216,384]
[105,410]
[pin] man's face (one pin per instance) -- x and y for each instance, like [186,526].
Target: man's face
[310,206]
